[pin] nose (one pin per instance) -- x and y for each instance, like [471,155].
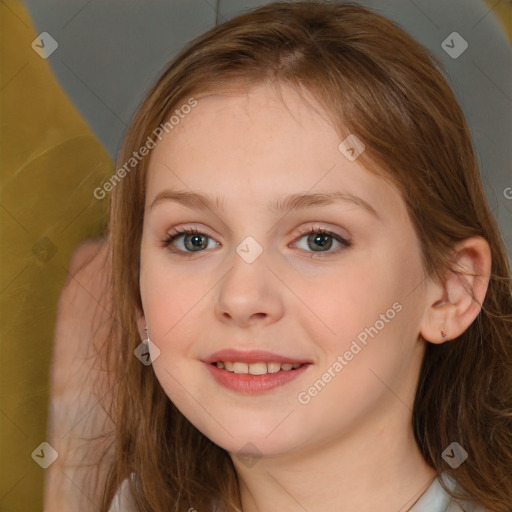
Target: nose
[249,294]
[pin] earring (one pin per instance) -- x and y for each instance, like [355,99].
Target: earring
[147,340]
[443,333]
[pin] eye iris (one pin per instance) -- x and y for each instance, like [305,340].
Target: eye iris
[320,238]
[196,243]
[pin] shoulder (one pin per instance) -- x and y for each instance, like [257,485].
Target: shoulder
[89,261]
[436,499]
[459,506]
[86,287]
[123,500]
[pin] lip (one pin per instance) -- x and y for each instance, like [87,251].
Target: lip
[254,384]
[252,356]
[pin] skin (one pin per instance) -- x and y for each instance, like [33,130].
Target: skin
[351,447]
[78,383]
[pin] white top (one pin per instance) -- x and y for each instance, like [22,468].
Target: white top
[434,499]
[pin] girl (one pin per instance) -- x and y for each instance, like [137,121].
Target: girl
[313,301]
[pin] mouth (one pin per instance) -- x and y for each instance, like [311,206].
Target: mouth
[255,371]
[257,368]
[255,378]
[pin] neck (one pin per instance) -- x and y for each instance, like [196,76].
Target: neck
[368,469]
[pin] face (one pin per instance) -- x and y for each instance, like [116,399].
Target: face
[333,286]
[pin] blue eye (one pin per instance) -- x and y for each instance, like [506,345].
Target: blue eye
[323,239]
[195,241]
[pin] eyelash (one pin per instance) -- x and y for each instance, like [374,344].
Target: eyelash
[178,233]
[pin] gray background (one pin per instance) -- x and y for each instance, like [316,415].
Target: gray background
[111,52]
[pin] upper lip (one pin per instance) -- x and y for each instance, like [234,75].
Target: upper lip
[252,356]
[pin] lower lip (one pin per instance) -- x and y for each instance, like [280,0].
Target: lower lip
[254,384]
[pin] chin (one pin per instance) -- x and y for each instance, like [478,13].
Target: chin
[251,443]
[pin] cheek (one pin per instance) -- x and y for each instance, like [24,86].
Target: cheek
[173,299]
[343,304]
[369,317]
[171,302]
[165,298]
[160,283]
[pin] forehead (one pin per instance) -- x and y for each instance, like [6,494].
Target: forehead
[259,145]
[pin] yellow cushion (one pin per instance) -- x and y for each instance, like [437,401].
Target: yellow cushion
[503,11]
[51,162]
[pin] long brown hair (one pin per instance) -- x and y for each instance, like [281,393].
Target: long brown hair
[400,105]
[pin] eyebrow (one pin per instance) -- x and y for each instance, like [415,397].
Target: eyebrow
[287,202]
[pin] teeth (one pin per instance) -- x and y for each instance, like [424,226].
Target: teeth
[259,368]
[273,367]
[240,367]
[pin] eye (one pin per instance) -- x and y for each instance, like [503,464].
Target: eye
[194,241]
[322,239]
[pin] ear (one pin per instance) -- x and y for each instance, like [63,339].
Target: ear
[141,322]
[453,305]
